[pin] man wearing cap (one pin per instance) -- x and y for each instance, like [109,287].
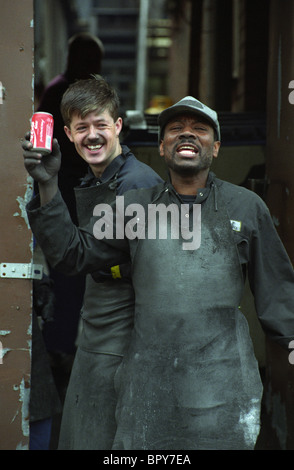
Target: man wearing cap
[189,379]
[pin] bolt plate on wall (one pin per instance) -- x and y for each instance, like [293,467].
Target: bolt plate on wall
[21,270]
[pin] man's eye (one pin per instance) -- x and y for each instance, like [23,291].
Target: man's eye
[102,127]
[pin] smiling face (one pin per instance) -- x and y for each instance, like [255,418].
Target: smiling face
[96,139]
[188,145]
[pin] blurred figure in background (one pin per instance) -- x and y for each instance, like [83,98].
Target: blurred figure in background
[85,53]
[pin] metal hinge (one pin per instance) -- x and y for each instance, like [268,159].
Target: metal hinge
[21,270]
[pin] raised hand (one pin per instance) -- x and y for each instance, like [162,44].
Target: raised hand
[41,167]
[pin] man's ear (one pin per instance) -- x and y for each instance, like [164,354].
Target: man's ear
[216,148]
[68,133]
[118,126]
[161,149]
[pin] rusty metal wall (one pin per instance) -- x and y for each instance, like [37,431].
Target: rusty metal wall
[16,105]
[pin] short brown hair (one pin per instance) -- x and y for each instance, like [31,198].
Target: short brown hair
[89,95]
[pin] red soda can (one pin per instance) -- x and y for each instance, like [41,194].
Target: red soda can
[42,132]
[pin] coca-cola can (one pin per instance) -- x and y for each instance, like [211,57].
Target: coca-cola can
[42,132]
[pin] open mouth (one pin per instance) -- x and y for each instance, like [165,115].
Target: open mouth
[187,150]
[96,147]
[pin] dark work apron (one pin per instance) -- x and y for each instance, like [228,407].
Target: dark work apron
[107,320]
[108,306]
[190,379]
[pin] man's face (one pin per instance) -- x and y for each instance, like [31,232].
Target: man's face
[188,144]
[96,139]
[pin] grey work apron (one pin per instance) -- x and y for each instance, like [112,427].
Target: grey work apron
[107,320]
[190,379]
[108,306]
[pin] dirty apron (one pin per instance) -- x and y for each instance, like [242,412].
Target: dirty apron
[107,320]
[190,379]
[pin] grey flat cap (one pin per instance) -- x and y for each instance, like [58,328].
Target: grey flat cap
[191,105]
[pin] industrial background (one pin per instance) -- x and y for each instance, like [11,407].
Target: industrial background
[235,55]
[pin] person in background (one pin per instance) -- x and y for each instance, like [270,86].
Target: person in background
[85,54]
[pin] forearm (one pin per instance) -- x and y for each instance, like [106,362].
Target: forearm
[271,278]
[48,190]
[69,249]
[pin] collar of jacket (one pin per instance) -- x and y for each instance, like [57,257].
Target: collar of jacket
[110,171]
[202,194]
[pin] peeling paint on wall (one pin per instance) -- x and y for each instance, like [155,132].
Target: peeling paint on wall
[22,202]
[21,446]
[4,332]
[5,351]
[24,399]
[29,341]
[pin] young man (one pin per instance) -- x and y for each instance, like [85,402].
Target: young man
[90,110]
[189,379]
